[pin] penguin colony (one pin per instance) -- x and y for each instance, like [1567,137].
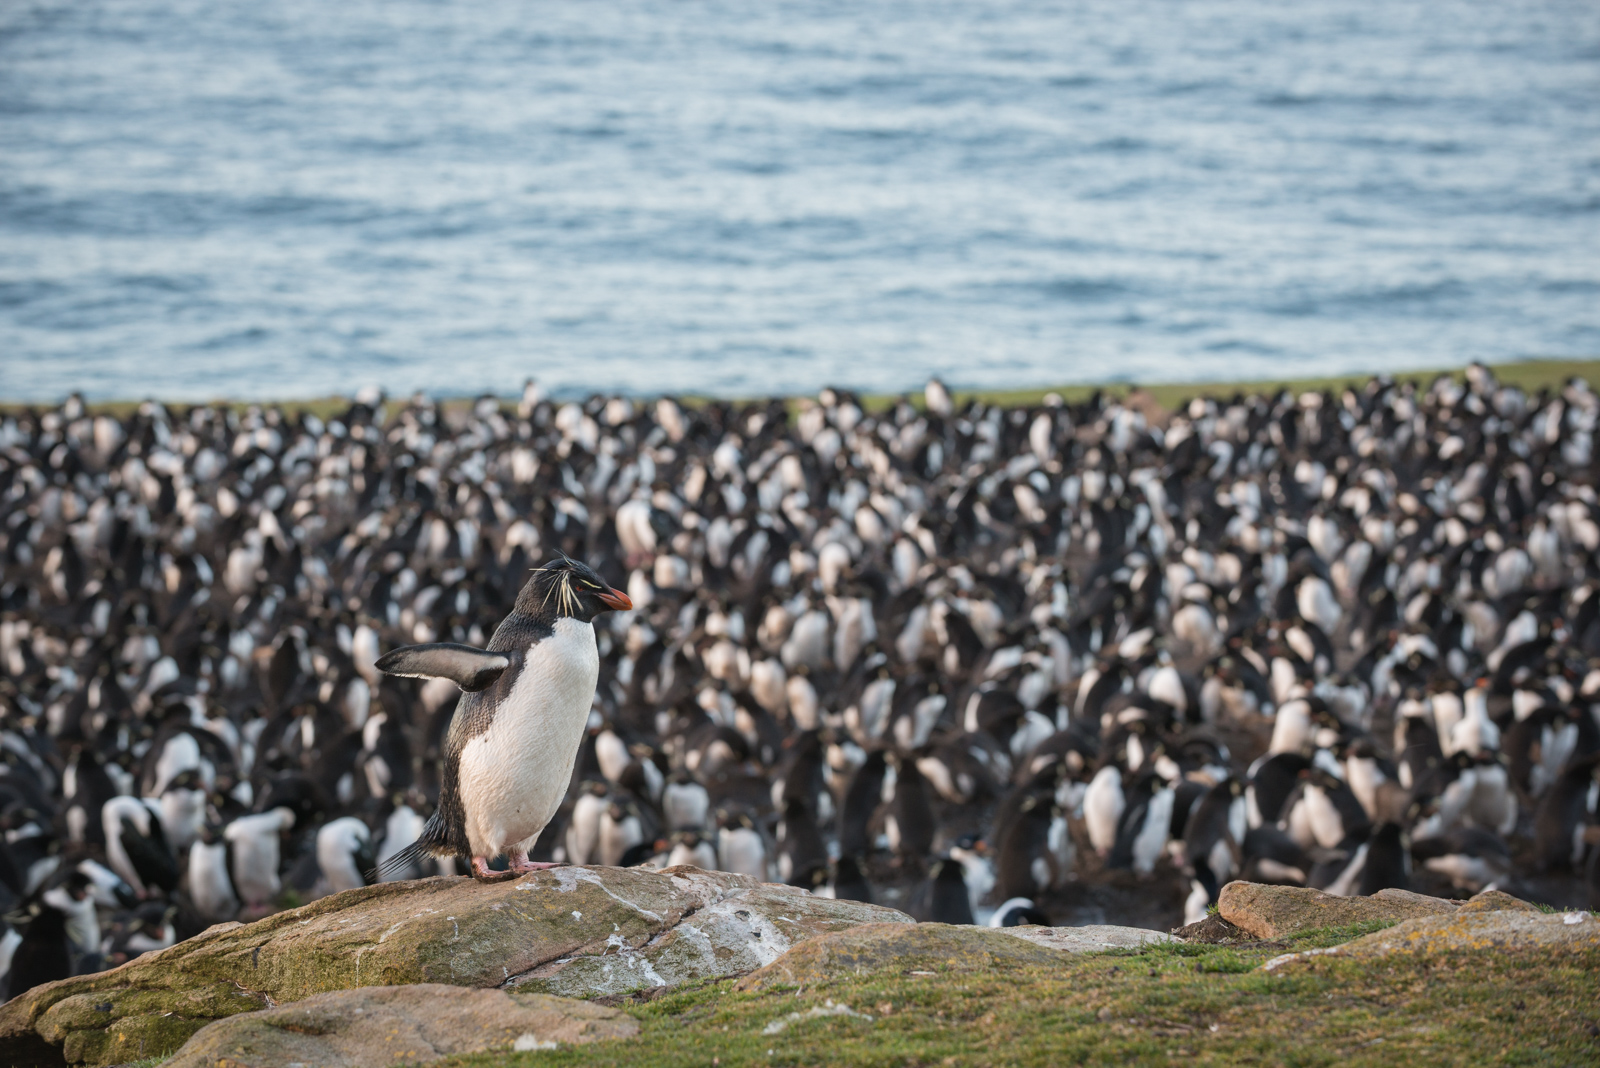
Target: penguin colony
[1062,662]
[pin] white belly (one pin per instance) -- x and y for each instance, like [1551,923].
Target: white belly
[513,776]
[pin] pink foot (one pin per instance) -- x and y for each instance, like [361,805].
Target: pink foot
[521,866]
[481,872]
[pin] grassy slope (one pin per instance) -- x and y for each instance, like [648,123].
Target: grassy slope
[1531,375]
[1192,1004]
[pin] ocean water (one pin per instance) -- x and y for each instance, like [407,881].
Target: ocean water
[216,197]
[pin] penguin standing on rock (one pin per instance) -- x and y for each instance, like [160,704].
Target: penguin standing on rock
[512,744]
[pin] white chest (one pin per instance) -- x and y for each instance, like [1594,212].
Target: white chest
[512,776]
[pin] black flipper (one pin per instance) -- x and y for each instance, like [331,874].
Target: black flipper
[469,668]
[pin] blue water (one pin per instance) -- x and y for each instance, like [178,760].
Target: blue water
[208,197]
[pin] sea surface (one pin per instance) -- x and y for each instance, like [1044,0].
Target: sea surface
[292,198]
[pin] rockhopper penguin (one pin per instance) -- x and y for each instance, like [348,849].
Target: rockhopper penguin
[516,732]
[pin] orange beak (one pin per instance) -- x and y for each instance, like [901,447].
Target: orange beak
[615,599]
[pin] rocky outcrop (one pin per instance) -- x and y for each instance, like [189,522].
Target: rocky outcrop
[1495,901]
[1090,938]
[1499,931]
[376,1027]
[935,948]
[571,931]
[1269,912]
[741,932]
[114,1024]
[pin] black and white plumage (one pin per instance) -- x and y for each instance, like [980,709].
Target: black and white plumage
[801,851]
[1056,588]
[1213,837]
[1103,805]
[1388,861]
[1271,856]
[1018,912]
[583,825]
[255,854]
[136,844]
[1472,858]
[210,872]
[44,953]
[689,848]
[910,825]
[74,899]
[1027,865]
[685,803]
[517,728]
[621,833]
[849,884]
[741,848]
[943,896]
[345,853]
[1564,811]
[402,828]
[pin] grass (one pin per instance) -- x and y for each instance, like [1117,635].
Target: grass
[1190,1004]
[1530,375]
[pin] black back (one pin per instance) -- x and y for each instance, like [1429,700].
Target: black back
[942,897]
[44,954]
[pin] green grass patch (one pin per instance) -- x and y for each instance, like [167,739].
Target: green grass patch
[1530,375]
[1321,937]
[1227,962]
[1207,1005]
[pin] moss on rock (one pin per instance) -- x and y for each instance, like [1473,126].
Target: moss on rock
[383,1026]
[1504,930]
[1270,912]
[453,931]
[930,948]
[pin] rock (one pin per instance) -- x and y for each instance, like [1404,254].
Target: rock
[129,1024]
[1495,901]
[546,930]
[1269,912]
[936,947]
[930,947]
[1091,938]
[739,934]
[390,1025]
[1422,903]
[1504,930]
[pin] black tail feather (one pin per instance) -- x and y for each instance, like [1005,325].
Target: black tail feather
[430,843]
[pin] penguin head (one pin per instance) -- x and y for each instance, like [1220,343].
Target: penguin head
[185,780]
[78,886]
[568,588]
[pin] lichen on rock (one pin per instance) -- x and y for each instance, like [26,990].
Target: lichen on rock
[1269,912]
[375,1027]
[609,922]
[1502,930]
[930,947]
[1090,938]
[737,935]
